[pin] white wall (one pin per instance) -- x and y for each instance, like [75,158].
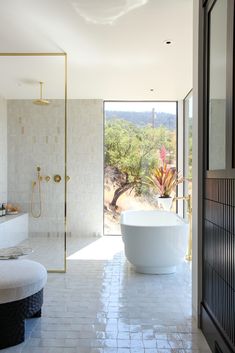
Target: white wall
[36,137]
[3,151]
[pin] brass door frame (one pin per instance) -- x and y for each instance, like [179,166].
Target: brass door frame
[65,140]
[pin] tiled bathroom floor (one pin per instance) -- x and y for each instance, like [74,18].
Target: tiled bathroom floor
[102,306]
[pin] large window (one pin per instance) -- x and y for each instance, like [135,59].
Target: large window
[134,135]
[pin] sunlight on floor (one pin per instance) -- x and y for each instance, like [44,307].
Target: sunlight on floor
[102,249]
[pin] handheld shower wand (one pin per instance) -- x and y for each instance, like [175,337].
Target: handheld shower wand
[35,183]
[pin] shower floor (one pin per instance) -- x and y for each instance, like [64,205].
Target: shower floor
[49,250]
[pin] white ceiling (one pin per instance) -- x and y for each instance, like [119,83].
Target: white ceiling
[115,48]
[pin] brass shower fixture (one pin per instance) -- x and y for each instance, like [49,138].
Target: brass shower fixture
[188,199]
[41,101]
[34,185]
[57,178]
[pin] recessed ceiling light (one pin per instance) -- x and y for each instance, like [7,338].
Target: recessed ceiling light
[167,42]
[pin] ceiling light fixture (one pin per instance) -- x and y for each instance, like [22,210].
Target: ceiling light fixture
[106,12]
[167,42]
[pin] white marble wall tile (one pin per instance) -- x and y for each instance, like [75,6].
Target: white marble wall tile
[36,138]
[31,142]
[85,167]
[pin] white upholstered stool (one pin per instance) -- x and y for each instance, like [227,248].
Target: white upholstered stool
[21,297]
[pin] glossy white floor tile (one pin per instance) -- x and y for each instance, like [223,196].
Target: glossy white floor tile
[102,306]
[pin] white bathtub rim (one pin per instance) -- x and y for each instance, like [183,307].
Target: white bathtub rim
[158,227]
[184,221]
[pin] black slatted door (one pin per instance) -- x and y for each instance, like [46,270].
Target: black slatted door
[218,237]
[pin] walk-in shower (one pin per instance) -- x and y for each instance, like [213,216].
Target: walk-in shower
[35,150]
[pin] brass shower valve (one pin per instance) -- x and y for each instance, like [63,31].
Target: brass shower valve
[57,178]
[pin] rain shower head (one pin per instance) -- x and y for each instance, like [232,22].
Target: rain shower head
[41,101]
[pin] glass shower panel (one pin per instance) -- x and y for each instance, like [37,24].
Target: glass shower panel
[34,95]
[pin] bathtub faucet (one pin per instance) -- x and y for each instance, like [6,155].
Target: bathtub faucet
[188,199]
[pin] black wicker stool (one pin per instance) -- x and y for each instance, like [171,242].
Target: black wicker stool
[21,297]
[12,316]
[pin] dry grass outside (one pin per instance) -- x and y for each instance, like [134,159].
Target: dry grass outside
[127,201]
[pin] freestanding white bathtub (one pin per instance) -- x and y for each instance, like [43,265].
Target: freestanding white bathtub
[155,241]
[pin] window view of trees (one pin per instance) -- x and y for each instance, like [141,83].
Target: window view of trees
[133,140]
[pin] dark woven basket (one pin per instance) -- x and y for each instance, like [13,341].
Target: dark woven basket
[12,316]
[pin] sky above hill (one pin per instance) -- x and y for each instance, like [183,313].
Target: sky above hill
[163,107]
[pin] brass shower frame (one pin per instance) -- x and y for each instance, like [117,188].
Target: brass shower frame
[65,139]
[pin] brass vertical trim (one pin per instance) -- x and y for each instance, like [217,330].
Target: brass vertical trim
[33,54]
[65,157]
[65,148]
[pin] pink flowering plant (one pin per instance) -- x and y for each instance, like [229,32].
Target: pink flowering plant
[165,178]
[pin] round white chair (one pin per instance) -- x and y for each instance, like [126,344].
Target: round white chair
[21,297]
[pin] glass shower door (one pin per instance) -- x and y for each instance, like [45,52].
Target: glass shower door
[34,90]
